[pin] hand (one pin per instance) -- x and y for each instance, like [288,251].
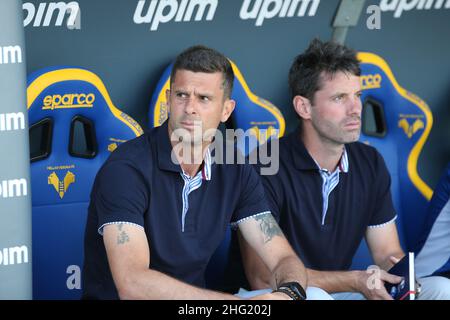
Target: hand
[373,289]
[272,296]
[394,260]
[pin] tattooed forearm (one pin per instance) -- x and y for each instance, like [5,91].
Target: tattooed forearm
[123,236]
[268,226]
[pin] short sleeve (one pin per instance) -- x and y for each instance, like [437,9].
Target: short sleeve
[384,211]
[120,194]
[252,198]
[271,183]
[273,199]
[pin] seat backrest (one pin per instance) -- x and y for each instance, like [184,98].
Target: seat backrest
[259,118]
[397,123]
[74,126]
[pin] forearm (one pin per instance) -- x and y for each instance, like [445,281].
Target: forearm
[334,281]
[154,285]
[267,255]
[289,269]
[385,262]
[384,243]
[259,276]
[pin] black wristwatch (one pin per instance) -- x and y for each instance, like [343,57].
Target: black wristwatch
[293,290]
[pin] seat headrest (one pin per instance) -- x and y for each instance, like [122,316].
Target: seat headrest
[74,126]
[261,118]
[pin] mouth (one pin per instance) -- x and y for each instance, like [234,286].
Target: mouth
[190,125]
[352,125]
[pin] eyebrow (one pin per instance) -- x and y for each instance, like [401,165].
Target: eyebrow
[204,94]
[339,93]
[198,94]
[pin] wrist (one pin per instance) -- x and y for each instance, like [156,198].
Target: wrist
[293,289]
[282,293]
[356,279]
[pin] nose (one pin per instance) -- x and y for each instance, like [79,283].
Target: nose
[355,106]
[190,107]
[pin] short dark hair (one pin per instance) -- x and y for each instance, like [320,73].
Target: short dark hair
[203,59]
[320,57]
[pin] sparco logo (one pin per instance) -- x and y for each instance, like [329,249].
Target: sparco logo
[12,121]
[13,188]
[163,11]
[268,9]
[14,255]
[399,6]
[69,101]
[10,54]
[44,14]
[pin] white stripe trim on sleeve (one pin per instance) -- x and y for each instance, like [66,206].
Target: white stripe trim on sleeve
[383,224]
[234,225]
[100,230]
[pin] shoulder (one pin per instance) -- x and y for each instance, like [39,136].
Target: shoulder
[361,151]
[273,150]
[366,160]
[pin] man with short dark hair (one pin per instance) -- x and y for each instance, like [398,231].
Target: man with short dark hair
[331,190]
[159,206]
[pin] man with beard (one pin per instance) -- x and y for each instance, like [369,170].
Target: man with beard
[331,191]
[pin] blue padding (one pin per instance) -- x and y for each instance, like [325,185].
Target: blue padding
[61,183]
[408,122]
[57,250]
[260,119]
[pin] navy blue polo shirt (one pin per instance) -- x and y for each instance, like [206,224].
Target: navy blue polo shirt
[184,218]
[325,215]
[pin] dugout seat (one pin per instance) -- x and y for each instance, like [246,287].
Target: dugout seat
[397,123]
[74,126]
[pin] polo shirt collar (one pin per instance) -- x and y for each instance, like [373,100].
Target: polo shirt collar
[302,158]
[342,166]
[164,149]
[206,170]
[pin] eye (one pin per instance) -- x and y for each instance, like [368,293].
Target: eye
[359,94]
[181,95]
[338,98]
[204,98]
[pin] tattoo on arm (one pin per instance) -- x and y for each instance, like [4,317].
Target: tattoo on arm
[268,226]
[123,236]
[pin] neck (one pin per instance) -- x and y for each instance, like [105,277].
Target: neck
[326,153]
[190,156]
[197,156]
